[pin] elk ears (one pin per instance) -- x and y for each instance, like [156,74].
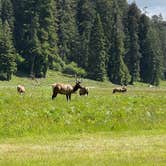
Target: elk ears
[75,78]
[78,81]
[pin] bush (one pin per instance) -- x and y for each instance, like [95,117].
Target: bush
[3,76]
[58,64]
[72,68]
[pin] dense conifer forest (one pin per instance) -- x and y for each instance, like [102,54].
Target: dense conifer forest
[97,39]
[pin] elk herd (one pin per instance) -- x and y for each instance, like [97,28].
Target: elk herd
[67,89]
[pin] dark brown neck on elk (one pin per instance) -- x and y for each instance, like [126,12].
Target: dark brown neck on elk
[76,87]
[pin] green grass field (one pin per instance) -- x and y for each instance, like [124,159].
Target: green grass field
[101,129]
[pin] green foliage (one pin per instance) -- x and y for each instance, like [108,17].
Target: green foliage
[154,72]
[7,52]
[133,55]
[160,26]
[7,13]
[36,37]
[143,34]
[72,68]
[86,13]
[151,52]
[104,8]
[104,37]
[67,29]
[58,64]
[97,56]
[118,71]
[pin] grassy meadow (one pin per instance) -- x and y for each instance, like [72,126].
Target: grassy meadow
[101,129]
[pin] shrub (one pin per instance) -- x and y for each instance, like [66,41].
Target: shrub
[72,68]
[58,64]
[3,76]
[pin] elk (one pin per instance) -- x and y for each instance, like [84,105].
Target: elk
[20,89]
[120,89]
[83,91]
[65,89]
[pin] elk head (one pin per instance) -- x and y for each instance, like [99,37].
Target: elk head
[77,85]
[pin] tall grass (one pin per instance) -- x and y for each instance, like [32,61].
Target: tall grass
[101,129]
[34,113]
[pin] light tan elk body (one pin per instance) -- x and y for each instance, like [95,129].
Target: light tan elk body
[119,89]
[20,89]
[65,89]
[83,91]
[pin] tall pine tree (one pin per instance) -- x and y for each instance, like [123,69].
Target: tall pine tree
[104,8]
[86,14]
[160,26]
[7,13]
[67,29]
[154,54]
[133,55]
[144,27]
[117,70]
[97,56]
[36,38]
[7,52]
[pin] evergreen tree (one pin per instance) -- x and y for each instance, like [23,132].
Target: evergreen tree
[104,8]
[123,7]
[151,52]
[51,27]
[154,53]
[25,12]
[7,52]
[34,51]
[101,36]
[86,14]
[36,38]
[117,70]
[163,42]
[97,69]
[144,46]
[7,13]
[133,55]
[160,26]
[67,29]
[47,36]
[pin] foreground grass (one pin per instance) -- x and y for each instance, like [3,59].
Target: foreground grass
[86,149]
[101,129]
[35,112]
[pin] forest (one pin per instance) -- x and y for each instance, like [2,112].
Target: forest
[97,39]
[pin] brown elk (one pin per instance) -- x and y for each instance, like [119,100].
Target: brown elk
[65,89]
[120,89]
[20,89]
[83,91]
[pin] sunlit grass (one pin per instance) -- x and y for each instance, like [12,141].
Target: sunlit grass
[36,113]
[32,126]
[86,149]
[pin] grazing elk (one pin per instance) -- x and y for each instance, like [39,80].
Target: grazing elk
[83,91]
[120,89]
[20,89]
[65,89]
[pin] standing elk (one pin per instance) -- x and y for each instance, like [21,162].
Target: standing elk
[20,89]
[83,91]
[65,89]
[120,89]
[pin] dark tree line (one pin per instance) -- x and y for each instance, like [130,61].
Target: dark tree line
[109,39]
